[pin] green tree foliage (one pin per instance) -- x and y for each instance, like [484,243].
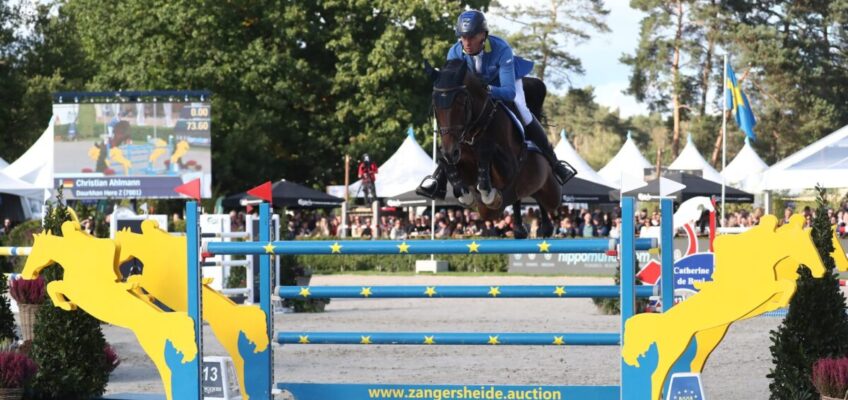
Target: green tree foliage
[816,325]
[7,319]
[796,52]
[68,345]
[592,129]
[292,82]
[673,64]
[550,29]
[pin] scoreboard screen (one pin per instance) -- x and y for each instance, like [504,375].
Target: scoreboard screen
[131,144]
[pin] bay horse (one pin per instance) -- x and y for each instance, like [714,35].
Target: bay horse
[467,119]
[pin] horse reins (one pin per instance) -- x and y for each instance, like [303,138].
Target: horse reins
[467,127]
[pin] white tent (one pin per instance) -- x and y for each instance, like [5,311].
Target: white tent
[31,175]
[401,173]
[564,151]
[35,166]
[628,161]
[824,162]
[3,164]
[690,159]
[746,170]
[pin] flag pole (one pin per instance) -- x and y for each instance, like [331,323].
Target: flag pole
[724,139]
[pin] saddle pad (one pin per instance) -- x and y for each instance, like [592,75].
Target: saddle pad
[519,128]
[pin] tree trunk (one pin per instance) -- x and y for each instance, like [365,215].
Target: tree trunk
[675,73]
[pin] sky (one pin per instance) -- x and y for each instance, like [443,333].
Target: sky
[600,55]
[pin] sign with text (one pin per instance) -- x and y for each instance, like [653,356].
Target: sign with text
[143,147]
[584,263]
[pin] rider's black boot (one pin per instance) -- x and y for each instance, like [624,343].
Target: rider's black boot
[563,171]
[434,186]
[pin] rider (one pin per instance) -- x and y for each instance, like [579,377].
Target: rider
[491,58]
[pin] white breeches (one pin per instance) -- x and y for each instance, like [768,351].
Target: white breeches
[521,103]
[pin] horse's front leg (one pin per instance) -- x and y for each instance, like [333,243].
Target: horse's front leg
[490,196]
[460,190]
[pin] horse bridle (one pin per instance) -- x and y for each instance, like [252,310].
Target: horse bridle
[467,126]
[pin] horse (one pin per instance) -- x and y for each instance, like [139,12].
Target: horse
[469,122]
[755,272]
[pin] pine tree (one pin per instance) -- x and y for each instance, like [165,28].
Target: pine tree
[68,345]
[816,325]
[7,319]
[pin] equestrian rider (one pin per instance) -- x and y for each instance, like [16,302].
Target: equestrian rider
[491,58]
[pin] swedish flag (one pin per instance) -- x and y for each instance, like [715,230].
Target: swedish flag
[738,102]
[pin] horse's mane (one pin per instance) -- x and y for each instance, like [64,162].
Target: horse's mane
[454,74]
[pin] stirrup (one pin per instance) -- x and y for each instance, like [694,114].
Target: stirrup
[563,172]
[434,192]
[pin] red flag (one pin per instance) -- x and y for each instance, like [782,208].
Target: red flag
[262,191]
[190,189]
[249,208]
[650,274]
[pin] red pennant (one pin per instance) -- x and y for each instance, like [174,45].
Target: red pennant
[651,273]
[262,191]
[249,208]
[190,189]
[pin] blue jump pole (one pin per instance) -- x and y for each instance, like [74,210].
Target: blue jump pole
[451,339]
[484,246]
[192,386]
[667,257]
[266,357]
[384,292]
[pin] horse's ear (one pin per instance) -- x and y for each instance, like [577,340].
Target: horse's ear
[433,73]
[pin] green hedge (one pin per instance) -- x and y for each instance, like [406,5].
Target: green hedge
[329,264]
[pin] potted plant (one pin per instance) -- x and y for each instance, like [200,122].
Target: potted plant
[16,370]
[830,377]
[29,294]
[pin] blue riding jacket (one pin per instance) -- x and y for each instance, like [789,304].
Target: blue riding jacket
[500,67]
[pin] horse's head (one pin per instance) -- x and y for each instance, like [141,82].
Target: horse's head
[456,97]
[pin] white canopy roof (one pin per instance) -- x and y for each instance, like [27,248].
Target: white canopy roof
[824,162]
[35,166]
[690,159]
[564,151]
[401,173]
[746,170]
[628,161]
[3,164]
[12,185]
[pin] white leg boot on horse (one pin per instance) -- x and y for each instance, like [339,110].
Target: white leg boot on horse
[490,196]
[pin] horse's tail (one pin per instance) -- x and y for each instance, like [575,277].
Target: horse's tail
[535,92]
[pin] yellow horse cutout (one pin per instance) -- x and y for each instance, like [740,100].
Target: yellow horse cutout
[92,282]
[755,272]
[164,277]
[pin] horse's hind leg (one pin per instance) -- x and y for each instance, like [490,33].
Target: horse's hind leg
[546,226]
[519,231]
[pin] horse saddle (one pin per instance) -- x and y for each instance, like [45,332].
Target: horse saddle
[512,111]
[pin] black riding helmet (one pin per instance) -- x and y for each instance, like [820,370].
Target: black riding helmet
[471,23]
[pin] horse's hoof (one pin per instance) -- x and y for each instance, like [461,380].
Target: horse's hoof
[466,199]
[488,197]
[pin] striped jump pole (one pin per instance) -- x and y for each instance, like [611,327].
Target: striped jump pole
[15,251]
[425,292]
